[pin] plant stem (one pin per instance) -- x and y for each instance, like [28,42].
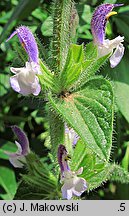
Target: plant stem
[61,32]
[56,131]
[60,44]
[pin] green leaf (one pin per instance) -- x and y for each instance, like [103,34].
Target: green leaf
[100,177]
[90,70]
[47,27]
[8,183]
[32,191]
[77,70]
[73,66]
[40,14]
[91,51]
[47,78]
[95,171]
[125,160]
[4,84]
[27,192]
[75,55]
[7,146]
[122,98]
[82,157]
[90,113]
[111,172]
[22,10]
[4,19]
[86,15]
[110,1]
[39,182]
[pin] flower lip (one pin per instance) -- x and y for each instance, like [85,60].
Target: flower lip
[25,80]
[99,21]
[28,41]
[73,185]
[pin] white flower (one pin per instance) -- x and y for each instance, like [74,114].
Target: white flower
[108,46]
[73,185]
[25,80]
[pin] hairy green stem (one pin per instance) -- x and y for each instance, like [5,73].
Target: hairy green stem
[56,131]
[61,32]
[60,44]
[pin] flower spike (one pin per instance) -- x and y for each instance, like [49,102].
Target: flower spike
[98,26]
[73,185]
[17,159]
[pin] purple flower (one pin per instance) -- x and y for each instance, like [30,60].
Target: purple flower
[27,40]
[72,185]
[72,135]
[25,80]
[98,26]
[17,159]
[62,158]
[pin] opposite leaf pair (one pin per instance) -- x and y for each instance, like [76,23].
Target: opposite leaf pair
[25,80]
